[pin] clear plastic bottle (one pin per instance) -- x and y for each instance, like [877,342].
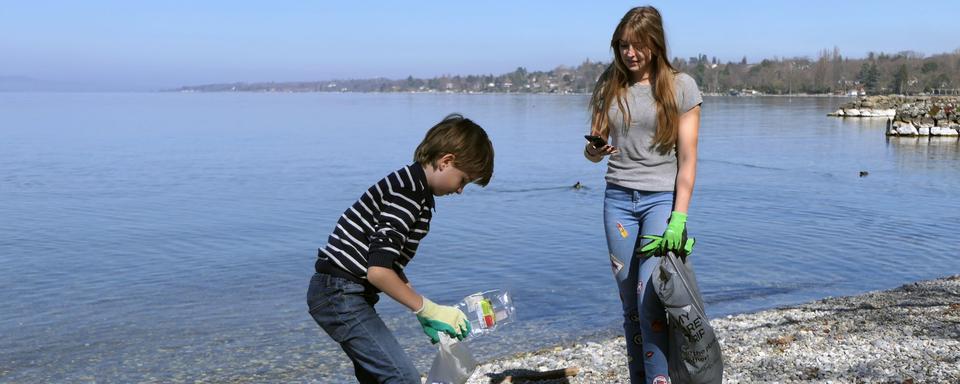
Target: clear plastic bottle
[487,310]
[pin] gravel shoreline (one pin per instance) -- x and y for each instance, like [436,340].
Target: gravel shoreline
[910,334]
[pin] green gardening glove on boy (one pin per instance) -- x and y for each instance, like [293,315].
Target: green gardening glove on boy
[441,318]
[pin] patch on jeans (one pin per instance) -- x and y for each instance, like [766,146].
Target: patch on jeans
[657,326]
[615,264]
[661,379]
[623,231]
[649,354]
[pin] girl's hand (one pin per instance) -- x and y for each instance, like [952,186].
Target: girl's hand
[602,151]
[676,233]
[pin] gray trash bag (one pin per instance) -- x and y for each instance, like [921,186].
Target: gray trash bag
[453,364]
[694,355]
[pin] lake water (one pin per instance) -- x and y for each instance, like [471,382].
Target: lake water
[166,237]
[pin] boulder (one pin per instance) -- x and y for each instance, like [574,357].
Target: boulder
[838,112]
[851,112]
[906,130]
[923,131]
[878,112]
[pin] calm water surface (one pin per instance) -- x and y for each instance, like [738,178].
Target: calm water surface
[170,237]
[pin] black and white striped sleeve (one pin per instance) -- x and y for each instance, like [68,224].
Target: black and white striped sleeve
[401,210]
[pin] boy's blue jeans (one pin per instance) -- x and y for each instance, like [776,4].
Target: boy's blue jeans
[638,213]
[344,310]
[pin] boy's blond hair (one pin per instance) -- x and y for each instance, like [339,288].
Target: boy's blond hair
[463,138]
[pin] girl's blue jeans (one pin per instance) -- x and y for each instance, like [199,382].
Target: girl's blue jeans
[627,215]
[344,310]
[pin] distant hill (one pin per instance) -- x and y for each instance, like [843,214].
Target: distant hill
[904,72]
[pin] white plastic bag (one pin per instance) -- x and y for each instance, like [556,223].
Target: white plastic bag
[453,364]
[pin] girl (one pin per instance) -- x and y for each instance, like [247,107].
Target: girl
[650,115]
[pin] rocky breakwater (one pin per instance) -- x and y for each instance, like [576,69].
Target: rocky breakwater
[909,115]
[873,106]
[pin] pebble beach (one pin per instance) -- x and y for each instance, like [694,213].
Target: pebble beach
[910,334]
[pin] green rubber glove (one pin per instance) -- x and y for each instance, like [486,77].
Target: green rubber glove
[656,242]
[653,247]
[441,318]
[676,231]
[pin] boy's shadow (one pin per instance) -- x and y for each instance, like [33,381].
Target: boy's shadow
[511,376]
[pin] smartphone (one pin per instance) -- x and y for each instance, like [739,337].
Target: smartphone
[597,141]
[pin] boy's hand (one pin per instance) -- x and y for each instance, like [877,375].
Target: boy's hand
[441,318]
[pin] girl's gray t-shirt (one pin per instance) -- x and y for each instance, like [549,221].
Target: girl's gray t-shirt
[639,165]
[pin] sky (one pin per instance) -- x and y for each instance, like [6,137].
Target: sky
[142,45]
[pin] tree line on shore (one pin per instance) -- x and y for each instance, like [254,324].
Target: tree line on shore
[904,72]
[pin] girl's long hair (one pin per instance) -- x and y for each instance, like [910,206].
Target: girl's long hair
[645,26]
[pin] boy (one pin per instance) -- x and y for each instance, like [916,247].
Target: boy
[375,239]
